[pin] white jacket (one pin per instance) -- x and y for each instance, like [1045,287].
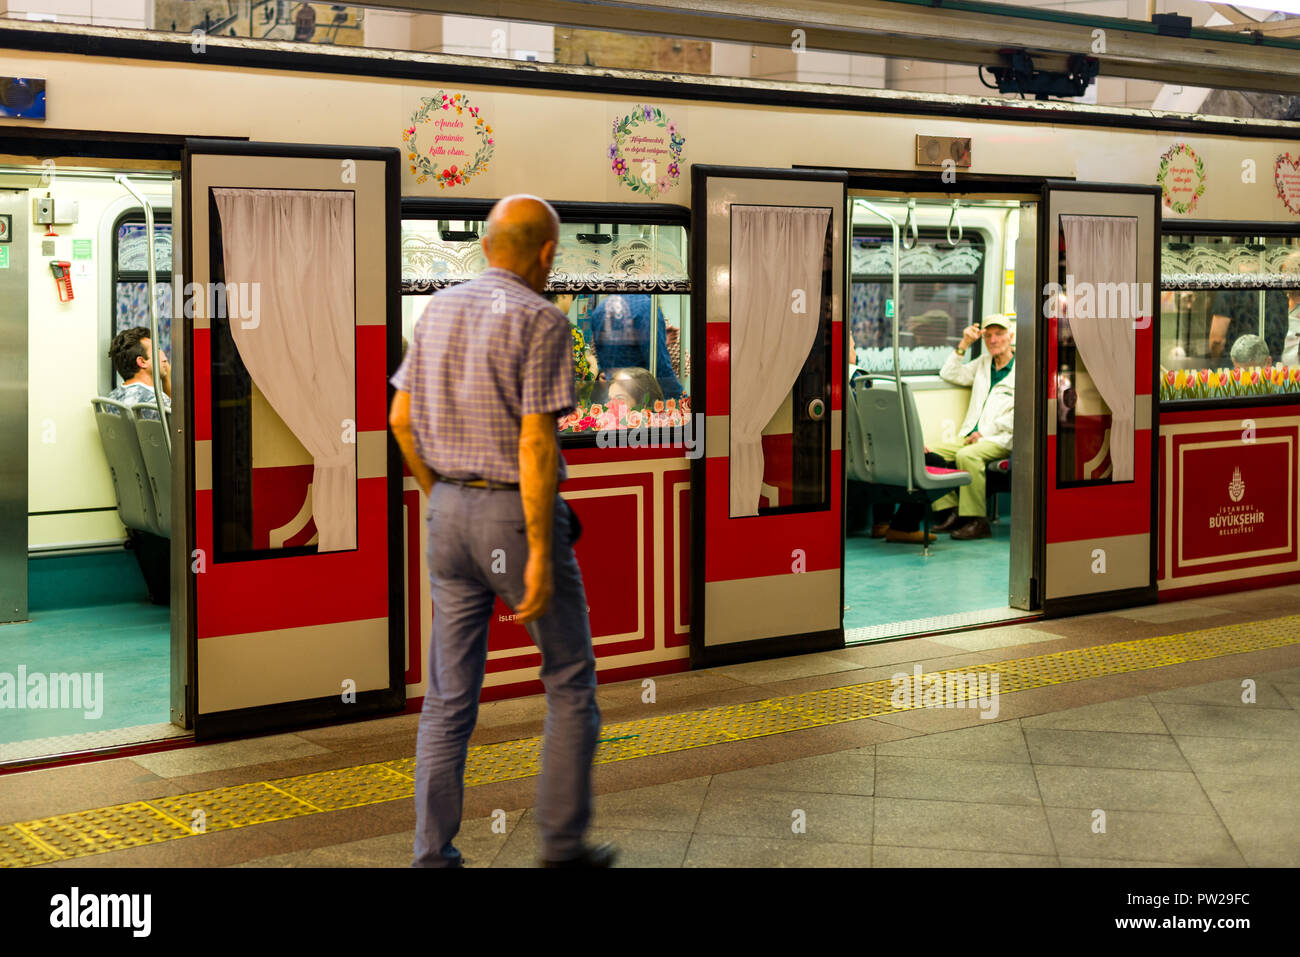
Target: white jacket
[993,414]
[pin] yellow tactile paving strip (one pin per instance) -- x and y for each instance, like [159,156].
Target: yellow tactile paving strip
[83,833]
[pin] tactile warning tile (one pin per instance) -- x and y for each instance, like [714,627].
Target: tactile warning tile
[506,761]
[237,806]
[347,787]
[29,843]
[104,829]
[17,850]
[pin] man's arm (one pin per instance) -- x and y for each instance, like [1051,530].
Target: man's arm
[399,419]
[668,382]
[539,461]
[954,369]
[1217,340]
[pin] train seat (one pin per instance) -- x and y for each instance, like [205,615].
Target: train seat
[880,408]
[855,460]
[157,462]
[131,485]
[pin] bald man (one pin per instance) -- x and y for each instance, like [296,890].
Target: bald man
[475,413]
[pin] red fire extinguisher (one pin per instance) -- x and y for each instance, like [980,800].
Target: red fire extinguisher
[62,278]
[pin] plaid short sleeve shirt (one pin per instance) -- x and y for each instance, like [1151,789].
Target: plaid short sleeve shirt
[485,354]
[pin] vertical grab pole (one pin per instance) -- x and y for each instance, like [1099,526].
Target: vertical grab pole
[898,379]
[153,306]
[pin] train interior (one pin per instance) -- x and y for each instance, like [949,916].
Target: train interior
[956,267]
[96,573]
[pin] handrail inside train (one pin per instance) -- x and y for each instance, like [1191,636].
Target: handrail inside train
[898,379]
[153,301]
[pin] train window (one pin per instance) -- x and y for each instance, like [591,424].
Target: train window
[1095,383]
[284,470]
[1229,316]
[623,287]
[130,284]
[941,291]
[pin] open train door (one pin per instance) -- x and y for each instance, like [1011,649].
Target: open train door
[767,305]
[1100,262]
[292,325]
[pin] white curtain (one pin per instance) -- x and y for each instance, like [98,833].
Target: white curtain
[1103,250]
[295,247]
[776,300]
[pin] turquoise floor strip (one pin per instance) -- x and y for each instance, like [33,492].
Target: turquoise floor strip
[886,582]
[126,645]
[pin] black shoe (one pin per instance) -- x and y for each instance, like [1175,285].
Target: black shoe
[974,528]
[949,523]
[602,855]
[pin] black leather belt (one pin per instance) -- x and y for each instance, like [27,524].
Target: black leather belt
[489,484]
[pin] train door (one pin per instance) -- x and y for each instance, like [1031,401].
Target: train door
[768,546]
[293,542]
[1099,261]
[936,355]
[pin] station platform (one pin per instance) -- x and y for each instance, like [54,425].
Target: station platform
[1160,736]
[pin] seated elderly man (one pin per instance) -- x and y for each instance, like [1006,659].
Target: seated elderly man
[985,434]
[1250,352]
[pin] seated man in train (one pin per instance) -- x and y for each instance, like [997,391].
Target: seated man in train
[131,353]
[621,327]
[985,433]
[1250,352]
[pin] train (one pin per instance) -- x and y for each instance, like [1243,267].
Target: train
[765,230]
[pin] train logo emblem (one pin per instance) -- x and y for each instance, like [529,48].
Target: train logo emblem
[1181,178]
[1236,488]
[460,140]
[1286,173]
[646,151]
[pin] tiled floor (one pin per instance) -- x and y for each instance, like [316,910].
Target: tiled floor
[1194,764]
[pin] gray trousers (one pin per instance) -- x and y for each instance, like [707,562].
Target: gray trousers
[477,550]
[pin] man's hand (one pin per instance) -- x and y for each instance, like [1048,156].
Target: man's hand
[539,586]
[973,438]
[969,336]
[165,372]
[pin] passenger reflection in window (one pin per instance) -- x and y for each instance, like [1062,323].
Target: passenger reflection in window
[1235,314]
[621,325]
[636,388]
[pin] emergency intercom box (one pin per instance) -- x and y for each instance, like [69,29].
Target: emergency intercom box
[50,210]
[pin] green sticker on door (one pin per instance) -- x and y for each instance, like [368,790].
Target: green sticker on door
[81,249]
[4,257]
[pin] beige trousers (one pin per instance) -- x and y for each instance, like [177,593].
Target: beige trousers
[973,458]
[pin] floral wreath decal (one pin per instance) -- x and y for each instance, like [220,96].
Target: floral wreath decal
[426,167]
[1166,161]
[1284,160]
[625,127]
